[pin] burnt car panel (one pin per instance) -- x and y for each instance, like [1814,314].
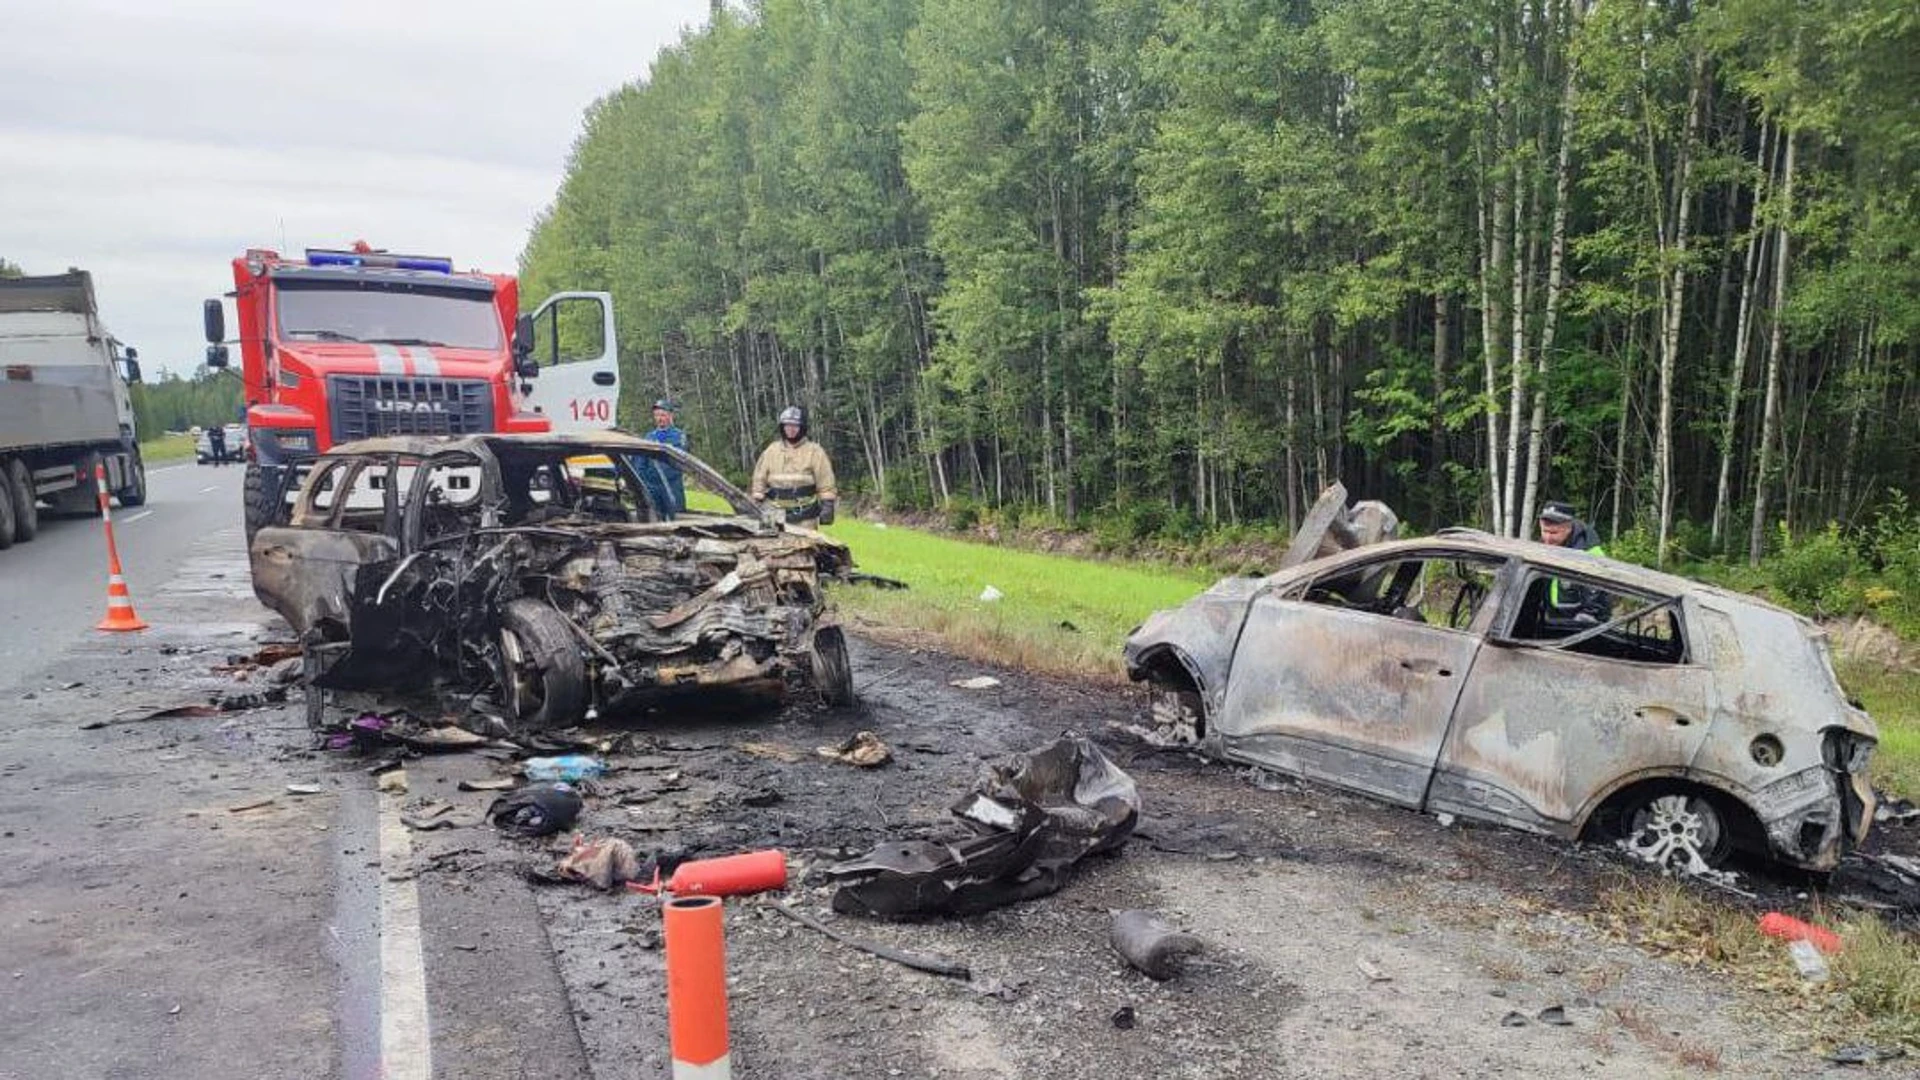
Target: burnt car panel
[540,568]
[1577,692]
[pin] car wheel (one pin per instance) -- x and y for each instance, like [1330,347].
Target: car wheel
[832,670]
[1679,830]
[543,677]
[26,514]
[1177,714]
[253,509]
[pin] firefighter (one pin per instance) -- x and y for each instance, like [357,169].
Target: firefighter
[662,478]
[1570,601]
[794,474]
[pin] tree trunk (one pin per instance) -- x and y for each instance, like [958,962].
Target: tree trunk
[1556,289]
[1770,409]
[1493,254]
[1437,424]
[1517,356]
[1676,301]
[1737,377]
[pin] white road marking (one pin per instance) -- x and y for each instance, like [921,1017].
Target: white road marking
[406,1050]
[210,487]
[131,518]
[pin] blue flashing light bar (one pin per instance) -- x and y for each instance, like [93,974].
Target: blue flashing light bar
[379,259]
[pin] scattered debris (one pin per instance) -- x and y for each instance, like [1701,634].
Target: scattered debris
[1555,1015]
[438,815]
[1144,940]
[1893,811]
[863,749]
[933,965]
[393,782]
[536,810]
[989,594]
[286,671]
[570,768]
[1124,1018]
[182,711]
[1807,960]
[502,783]
[303,789]
[1445,820]
[257,804]
[978,682]
[602,862]
[1514,1019]
[1371,970]
[730,875]
[771,751]
[1865,1054]
[1031,819]
[1780,925]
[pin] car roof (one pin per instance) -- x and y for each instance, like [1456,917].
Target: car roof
[1587,564]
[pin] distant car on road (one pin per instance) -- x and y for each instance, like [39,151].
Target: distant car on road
[236,444]
[1529,686]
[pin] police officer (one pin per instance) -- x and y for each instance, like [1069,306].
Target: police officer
[217,444]
[794,474]
[662,478]
[1568,600]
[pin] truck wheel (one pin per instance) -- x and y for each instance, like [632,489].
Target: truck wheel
[26,515]
[543,677]
[6,523]
[253,501]
[135,493]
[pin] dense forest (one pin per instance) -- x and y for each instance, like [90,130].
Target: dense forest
[1090,257]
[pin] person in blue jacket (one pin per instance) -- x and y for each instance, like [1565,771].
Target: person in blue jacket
[663,480]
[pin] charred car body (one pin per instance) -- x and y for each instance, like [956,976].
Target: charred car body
[1469,675]
[540,570]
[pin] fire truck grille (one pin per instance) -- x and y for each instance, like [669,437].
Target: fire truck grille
[367,406]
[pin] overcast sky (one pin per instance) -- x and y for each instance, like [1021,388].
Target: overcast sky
[151,142]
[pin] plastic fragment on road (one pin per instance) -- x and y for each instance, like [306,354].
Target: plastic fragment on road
[1780,925]
[978,682]
[393,782]
[568,768]
[1807,960]
[1145,940]
[536,810]
[863,749]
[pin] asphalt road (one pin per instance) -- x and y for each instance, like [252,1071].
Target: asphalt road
[168,907]
[54,588]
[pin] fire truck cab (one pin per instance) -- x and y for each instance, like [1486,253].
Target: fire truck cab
[351,344]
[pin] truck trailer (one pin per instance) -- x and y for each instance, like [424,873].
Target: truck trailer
[64,405]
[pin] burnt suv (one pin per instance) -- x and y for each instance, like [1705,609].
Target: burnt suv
[1529,686]
[542,573]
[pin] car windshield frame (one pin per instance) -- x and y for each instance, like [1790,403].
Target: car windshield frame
[467,317]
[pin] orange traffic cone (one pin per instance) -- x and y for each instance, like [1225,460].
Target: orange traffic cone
[697,988]
[120,613]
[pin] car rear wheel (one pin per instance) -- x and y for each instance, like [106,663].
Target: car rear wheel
[1177,714]
[543,677]
[26,514]
[6,522]
[1679,830]
[832,670]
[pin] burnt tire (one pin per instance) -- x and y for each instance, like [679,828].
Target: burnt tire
[832,669]
[253,508]
[19,491]
[1177,713]
[1664,824]
[543,677]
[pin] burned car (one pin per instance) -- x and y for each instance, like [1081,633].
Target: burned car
[540,573]
[1529,686]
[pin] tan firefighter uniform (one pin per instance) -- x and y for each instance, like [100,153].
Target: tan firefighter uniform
[794,477]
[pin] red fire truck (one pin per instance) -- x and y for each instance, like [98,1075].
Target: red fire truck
[355,343]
